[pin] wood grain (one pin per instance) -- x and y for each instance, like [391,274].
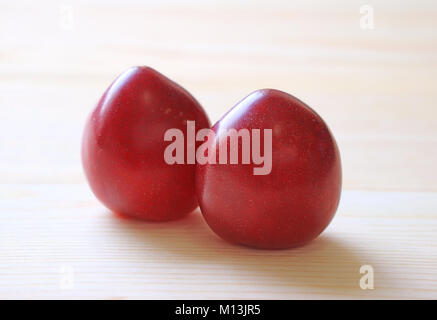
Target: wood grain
[375,88]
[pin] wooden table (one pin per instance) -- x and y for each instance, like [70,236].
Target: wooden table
[376,88]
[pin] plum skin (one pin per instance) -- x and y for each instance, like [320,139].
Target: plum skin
[123,146]
[297,200]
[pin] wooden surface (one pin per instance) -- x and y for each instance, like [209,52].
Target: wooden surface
[375,88]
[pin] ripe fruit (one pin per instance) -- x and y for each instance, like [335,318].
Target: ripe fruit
[123,146]
[292,204]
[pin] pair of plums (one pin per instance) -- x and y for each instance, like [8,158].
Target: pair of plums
[291,203]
